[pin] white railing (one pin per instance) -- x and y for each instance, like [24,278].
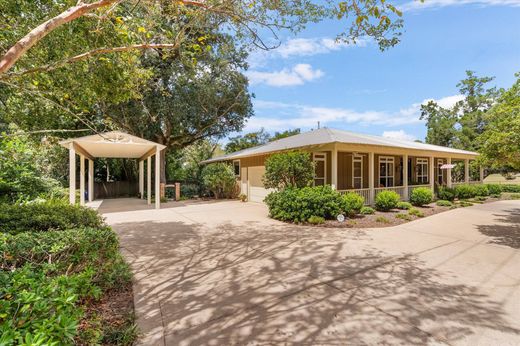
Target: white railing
[413,187]
[398,189]
[365,193]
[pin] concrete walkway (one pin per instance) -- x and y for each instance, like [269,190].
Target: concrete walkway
[224,274]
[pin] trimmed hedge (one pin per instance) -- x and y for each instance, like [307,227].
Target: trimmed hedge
[446,193]
[353,203]
[387,200]
[465,191]
[421,196]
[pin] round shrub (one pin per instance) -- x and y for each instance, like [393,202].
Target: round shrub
[220,179]
[387,200]
[352,203]
[367,211]
[291,169]
[415,212]
[446,193]
[465,191]
[481,190]
[494,189]
[316,220]
[421,196]
[444,203]
[404,205]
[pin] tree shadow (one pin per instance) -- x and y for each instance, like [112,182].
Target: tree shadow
[506,230]
[252,284]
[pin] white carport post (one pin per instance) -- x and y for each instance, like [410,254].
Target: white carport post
[90,180]
[72,174]
[141,178]
[157,178]
[448,173]
[432,173]
[81,180]
[466,171]
[149,179]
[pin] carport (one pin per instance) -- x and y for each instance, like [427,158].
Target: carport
[114,144]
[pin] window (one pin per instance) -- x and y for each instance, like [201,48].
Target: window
[422,171]
[357,172]
[386,171]
[320,169]
[236,167]
[440,176]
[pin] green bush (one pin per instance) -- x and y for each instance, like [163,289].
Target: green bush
[415,212]
[382,219]
[494,189]
[404,217]
[444,203]
[404,205]
[298,205]
[367,211]
[480,198]
[481,190]
[353,203]
[511,188]
[421,196]
[290,169]
[514,196]
[316,220]
[50,215]
[220,179]
[387,200]
[465,204]
[465,191]
[446,193]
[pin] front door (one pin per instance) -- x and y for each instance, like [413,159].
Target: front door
[320,169]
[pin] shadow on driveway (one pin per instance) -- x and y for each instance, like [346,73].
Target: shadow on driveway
[506,230]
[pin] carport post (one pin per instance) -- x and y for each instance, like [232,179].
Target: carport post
[141,178]
[149,179]
[90,180]
[72,174]
[157,178]
[81,180]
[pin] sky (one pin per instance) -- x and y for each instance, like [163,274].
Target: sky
[311,78]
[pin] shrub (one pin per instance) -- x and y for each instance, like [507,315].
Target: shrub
[480,198]
[514,196]
[465,191]
[465,204]
[404,205]
[404,217]
[421,196]
[298,205]
[387,200]
[353,203]
[382,219]
[290,169]
[50,215]
[446,193]
[481,190]
[242,197]
[494,189]
[495,196]
[415,212]
[316,220]
[220,179]
[511,188]
[367,211]
[444,203]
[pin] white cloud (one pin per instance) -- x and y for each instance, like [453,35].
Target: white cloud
[417,5]
[400,135]
[298,75]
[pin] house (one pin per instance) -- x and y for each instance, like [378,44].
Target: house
[360,163]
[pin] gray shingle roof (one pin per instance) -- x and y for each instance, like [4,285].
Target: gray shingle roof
[328,135]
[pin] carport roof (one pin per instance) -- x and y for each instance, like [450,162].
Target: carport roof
[114,144]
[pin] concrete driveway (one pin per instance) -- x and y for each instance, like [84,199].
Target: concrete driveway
[224,274]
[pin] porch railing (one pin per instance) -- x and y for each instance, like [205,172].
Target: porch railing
[398,189]
[365,193]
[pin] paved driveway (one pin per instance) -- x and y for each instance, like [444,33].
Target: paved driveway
[224,274]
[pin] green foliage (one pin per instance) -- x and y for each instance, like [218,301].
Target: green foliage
[382,219]
[403,217]
[387,200]
[298,205]
[514,196]
[421,196]
[316,220]
[511,188]
[404,205]
[415,212]
[494,189]
[444,203]
[220,179]
[481,190]
[480,198]
[248,140]
[465,191]
[446,193]
[289,169]
[464,204]
[242,197]
[367,211]
[353,203]
[50,215]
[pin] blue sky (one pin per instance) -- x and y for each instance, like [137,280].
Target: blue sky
[359,88]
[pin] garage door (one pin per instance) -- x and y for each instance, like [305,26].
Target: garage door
[257,192]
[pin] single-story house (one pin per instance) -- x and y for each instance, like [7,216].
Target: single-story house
[360,163]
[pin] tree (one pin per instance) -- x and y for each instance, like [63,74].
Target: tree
[248,140]
[440,123]
[284,134]
[219,178]
[501,140]
[290,169]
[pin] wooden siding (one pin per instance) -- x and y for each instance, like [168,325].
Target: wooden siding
[345,170]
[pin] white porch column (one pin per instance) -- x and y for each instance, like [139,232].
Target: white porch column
[157,178]
[334,167]
[90,180]
[141,178]
[149,179]
[431,167]
[448,173]
[72,175]
[405,176]
[371,177]
[81,180]
[466,171]
[481,174]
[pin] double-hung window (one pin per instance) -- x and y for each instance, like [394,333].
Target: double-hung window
[357,172]
[320,169]
[440,176]
[236,168]
[386,171]
[422,171]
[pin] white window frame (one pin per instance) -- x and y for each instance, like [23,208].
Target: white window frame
[320,156]
[360,159]
[422,178]
[440,173]
[239,168]
[386,160]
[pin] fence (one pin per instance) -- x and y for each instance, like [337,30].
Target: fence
[114,189]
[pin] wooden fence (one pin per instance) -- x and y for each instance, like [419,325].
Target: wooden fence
[115,189]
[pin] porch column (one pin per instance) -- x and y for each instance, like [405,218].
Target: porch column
[149,179]
[431,167]
[157,178]
[334,167]
[405,176]
[371,177]
[141,179]
[466,171]
[481,173]
[448,173]
[90,180]
[81,180]
[72,175]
